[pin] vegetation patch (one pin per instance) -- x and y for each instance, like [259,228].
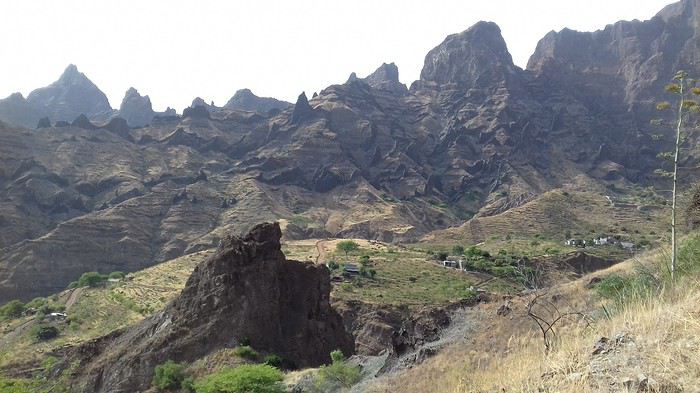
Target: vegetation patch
[250,378]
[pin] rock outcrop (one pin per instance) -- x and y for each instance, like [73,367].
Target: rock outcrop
[247,290]
[386,77]
[302,109]
[136,109]
[70,96]
[245,100]
[475,58]
[16,110]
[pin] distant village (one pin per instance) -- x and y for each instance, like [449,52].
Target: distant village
[602,241]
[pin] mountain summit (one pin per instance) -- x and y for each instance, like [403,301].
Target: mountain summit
[70,96]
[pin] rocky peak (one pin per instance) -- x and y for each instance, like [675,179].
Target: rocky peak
[386,77]
[247,290]
[352,78]
[16,110]
[136,109]
[71,95]
[302,109]
[245,100]
[83,122]
[475,58]
[196,112]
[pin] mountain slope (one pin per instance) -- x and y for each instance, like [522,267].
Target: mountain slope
[476,136]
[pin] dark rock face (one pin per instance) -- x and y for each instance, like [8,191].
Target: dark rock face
[302,109]
[44,122]
[245,100]
[627,63]
[136,109]
[83,122]
[386,77]
[118,126]
[246,290]
[16,110]
[70,96]
[196,112]
[475,58]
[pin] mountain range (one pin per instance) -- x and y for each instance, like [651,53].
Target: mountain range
[476,136]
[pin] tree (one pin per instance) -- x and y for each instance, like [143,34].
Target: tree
[457,250]
[681,87]
[13,309]
[91,279]
[347,246]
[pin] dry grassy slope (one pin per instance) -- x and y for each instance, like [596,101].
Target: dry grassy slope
[94,312]
[553,213]
[659,340]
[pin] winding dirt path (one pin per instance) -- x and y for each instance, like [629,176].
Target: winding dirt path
[321,251]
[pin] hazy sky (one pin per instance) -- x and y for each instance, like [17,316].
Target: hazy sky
[176,50]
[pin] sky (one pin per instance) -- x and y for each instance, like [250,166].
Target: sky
[177,50]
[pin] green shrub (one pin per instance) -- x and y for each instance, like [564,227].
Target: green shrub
[337,375]
[169,376]
[245,352]
[273,361]
[441,256]
[249,378]
[91,279]
[12,309]
[624,290]
[43,332]
[457,250]
[333,265]
[364,260]
[337,356]
[36,303]
[117,275]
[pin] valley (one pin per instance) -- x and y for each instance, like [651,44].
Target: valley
[486,228]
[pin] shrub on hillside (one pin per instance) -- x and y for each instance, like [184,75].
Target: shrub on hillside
[624,289]
[169,376]
[457,250]
[44,333]
[249,378]
[245,352]
[12,309]
[90,279]
[117,275]
[333,265]
[337,375]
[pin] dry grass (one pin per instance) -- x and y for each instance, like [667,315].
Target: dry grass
[661,342]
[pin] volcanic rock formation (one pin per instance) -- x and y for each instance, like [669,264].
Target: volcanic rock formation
[245,100]
[247,290]
[136,109]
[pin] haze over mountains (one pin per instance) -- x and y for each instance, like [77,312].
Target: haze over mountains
[475,137]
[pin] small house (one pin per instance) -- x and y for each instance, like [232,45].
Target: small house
[450,264]
[628,246]
[604,241]
[351,268]
[576,243]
